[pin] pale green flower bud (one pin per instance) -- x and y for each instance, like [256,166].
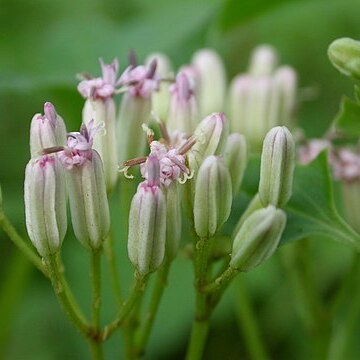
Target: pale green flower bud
[134,111]
[211,81]
[344,54]
[88,201]
[263,60]
[235,157]
[258,238]
[173,220]
[283,97]
[147,222]
[102,110]
[46,130]
[45,204]
[210,136]
[160,99]
[213,196]
[277,167]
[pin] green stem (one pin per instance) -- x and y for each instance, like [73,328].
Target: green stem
[221,282]
[64,295]
[159,287]
[247,322]
[96,288]
[21,244]
[126,308]
[111,259]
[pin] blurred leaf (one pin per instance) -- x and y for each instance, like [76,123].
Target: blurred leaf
[235,12]
[311,210]
[348,118]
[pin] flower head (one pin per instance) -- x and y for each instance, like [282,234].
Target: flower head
[101,87]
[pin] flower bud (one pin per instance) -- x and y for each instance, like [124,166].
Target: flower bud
[211,76]
[134,111]
[88,202]
[160,99]
[46,130]
[344,54]
[103,112]
[173,221]
[147,222]
[213,196]
[283,97]
[210,136]
[258,238]
[263,60]
[277,167]
[183,111]
[235,157]
[45,204]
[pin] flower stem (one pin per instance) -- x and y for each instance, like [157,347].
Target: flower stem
[20,243]
[125,308]
[111,259]
[247,322]
[160,284]
[64,295]
[95,270]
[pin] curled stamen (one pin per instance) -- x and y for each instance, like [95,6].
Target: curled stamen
[186,177]
[125,170]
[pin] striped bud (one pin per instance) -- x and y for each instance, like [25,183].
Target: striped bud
[147,222]
[213,196]
[173,220]
[160,99]
[258,238]
[183,111]
[102,110]
[235,157]
[45,204]
[277,167]
[88,201]
[344,54]
[46,130]
[134,111]
[211,77]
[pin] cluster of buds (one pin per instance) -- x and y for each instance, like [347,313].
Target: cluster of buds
[195,148]
[60,169]
[263,97]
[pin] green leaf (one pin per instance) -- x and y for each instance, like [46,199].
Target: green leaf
[311,210]
[348,119]
[235,12]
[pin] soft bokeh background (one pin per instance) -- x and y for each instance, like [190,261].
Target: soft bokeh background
[43,44]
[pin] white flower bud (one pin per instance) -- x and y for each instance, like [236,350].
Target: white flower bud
[45,204]
[183,111]
[263,60]
[173,220]
[258,238]
[344,54]
[211,77]
[102,110]
[134,111]
[88,201]
[277,167]
[235,157]
[46,130]
[147,222]
[160,99]
[213,196]
[210,135]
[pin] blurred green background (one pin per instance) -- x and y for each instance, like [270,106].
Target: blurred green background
[43,44]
